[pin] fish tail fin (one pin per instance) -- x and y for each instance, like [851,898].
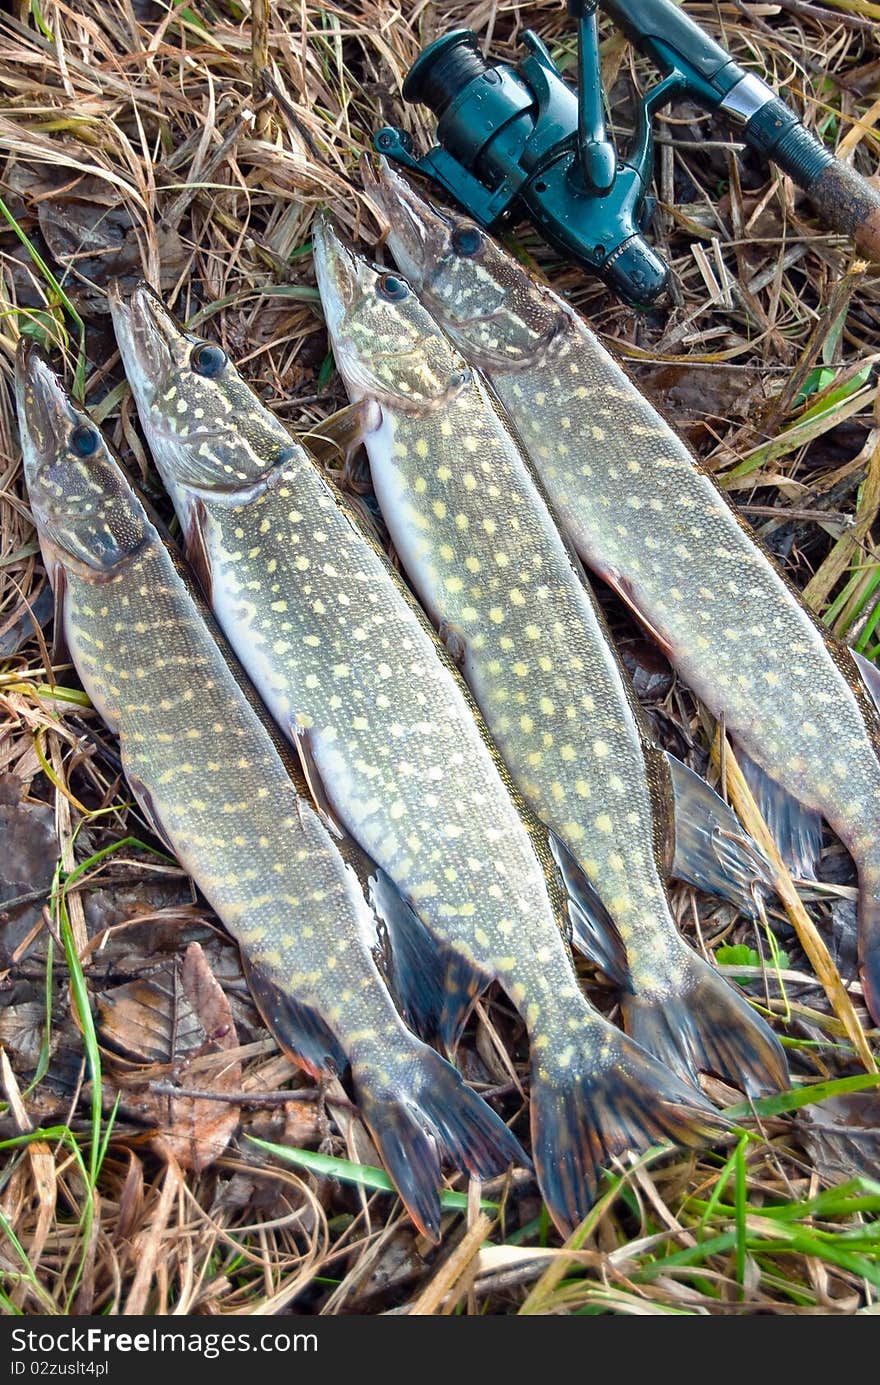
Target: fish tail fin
[707,1026]
[869,950]
[607,1098]
[426,1110]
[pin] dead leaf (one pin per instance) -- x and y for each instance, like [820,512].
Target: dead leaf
[650,672]
[19,628]
[90,233]
[843,935]
[176,1015]
[21,1032]
[28,855]
[697,398]
[131,1199]
[842,1135]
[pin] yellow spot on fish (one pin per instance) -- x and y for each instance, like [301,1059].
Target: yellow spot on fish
[604,823]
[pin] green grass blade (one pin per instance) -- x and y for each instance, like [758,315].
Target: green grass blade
[741,1196]
[362,1175]
[782,1102]
[80,371]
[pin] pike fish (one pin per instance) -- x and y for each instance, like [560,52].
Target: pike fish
[351,671]
[645,516]
[208,776]
[484,553]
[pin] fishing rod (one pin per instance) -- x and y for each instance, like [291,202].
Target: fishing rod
[521,141]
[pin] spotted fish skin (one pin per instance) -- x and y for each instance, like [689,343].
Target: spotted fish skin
[206,770]
[484,552]
[645,515]
[349,668]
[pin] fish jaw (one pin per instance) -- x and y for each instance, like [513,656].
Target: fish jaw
[153,345]
[340,278]
[45,412]
[420,233]
[85,511]
[499,317]
[385,344]
[206,429]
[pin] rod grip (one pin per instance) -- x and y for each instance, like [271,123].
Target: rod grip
[848,203]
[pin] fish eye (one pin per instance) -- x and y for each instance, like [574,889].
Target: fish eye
[392,288]
[85,440]
[207,359]
[467,240]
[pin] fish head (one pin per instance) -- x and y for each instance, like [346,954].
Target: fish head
[206,427]
[87,515]
[490,306]
[386,344]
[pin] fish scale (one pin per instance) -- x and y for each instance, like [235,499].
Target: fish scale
[502,588]
[645,515]
[209,778]
[479,544]
[350,670]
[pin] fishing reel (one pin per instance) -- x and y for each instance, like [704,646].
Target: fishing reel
[521,141]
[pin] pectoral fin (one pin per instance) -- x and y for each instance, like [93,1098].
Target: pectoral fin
[60,651]
[712,849]
[196,548]
[338,437]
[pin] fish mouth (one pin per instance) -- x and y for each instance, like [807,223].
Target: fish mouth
[45,410]
[419,233]
[151,340]
[342,274]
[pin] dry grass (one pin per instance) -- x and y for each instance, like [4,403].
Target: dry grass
[192,143]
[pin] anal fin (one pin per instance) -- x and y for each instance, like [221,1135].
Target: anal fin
[320,797]
[713,851]
[870,676]
[435,987]
[298,1028]
[796,830]
[593,930]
